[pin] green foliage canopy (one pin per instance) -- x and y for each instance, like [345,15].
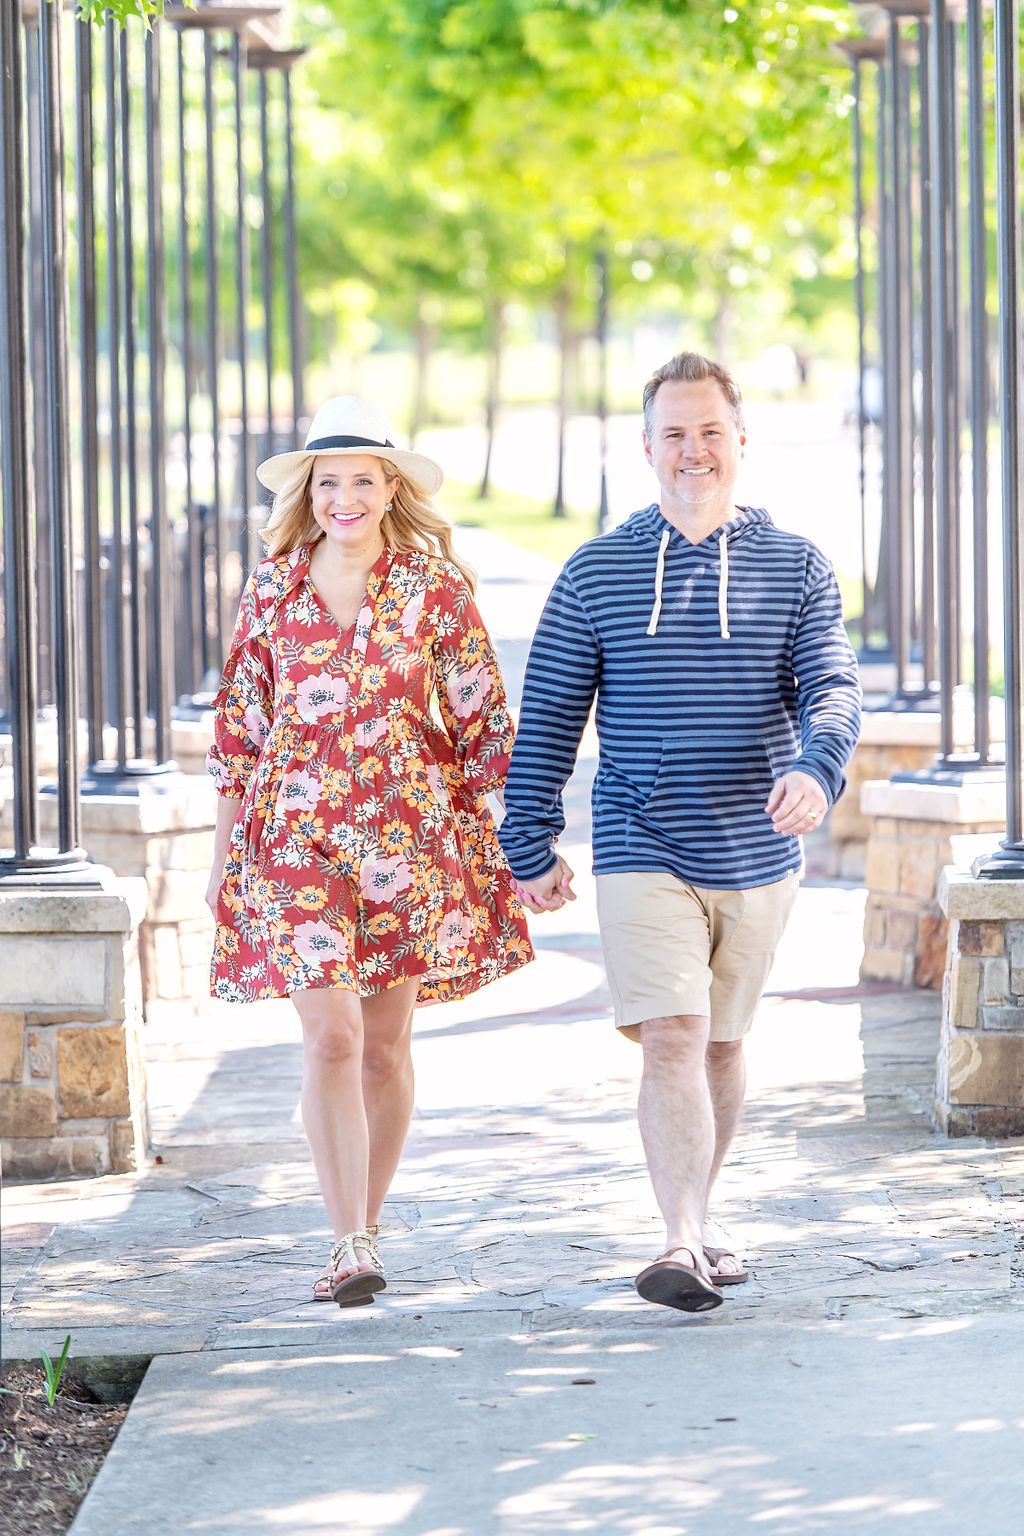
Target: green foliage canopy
[712,131]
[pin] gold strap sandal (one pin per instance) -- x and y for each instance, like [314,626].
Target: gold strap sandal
[358,1288]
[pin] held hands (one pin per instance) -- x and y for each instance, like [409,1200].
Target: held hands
[797,803]
[548,892]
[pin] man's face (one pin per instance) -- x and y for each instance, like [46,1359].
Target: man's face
[695,446]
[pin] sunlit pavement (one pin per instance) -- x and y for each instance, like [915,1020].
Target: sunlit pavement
[510,1380]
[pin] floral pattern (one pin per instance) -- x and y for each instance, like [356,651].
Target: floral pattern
[363,853]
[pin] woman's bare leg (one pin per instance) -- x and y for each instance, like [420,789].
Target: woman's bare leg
[357,1097]
[333,1112]
[388,1085]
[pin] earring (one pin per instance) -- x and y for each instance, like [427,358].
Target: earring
[388,507]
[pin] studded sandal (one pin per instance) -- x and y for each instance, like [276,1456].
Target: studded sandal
[358,1288]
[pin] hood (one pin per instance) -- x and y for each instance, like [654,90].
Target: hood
[650,524]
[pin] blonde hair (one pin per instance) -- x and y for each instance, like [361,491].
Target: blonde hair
[413,522]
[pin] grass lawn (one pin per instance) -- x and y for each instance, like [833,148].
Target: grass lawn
[519,519]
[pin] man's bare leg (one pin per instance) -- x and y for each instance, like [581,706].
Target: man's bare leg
[727,1083]
[677,1125]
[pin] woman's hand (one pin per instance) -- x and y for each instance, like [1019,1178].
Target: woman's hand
[213,889]
[550,891]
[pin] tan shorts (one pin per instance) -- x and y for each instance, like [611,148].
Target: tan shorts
[672,948]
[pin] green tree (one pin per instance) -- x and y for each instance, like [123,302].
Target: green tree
[121,10]
[710,138]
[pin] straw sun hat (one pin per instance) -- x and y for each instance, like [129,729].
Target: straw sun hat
[349,424]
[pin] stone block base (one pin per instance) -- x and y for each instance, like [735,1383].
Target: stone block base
[176,959]
[997,1123]
[980,1080]
[916,830]
[190,741]
[891,742]
[72,1075]
[162,833]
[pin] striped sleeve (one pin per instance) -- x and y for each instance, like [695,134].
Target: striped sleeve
[558,691]
[828,688]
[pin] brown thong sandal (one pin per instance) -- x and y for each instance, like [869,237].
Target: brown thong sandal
[736,1277]
[359,1287]
[682,1286]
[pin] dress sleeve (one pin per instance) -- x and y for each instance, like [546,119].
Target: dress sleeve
[470,690]
[244,706]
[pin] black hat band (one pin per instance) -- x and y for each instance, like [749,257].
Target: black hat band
[345,442]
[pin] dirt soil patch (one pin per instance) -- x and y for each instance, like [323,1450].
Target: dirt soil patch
[49,1456]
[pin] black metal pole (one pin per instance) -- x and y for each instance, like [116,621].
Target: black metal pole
[212,305]
[887,330]
[910,439]
[40,490]
[897,402]
[294,308]
[956,139]
[19,589]
[978,252]
[156,334]
[928,636]
[242,283]
[602,385]
[119,645]
[267,265]
[858,203]
[58,428]
[93,604]
[943,335]
[194,605]
[137,637]
[1008,861]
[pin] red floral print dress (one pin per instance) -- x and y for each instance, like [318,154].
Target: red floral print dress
[363,853]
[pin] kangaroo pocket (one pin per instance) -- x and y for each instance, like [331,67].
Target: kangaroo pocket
[708,789]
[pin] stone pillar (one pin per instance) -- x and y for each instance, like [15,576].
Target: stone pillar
[980,1079]
[159,829]
[891,742]
[916,830]
[72,1074]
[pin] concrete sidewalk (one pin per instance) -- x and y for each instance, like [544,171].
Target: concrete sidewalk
[510,1380]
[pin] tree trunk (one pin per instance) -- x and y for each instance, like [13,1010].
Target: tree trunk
[425,336]
[565,346]
[723,329]
[493,393]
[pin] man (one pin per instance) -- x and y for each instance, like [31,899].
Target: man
[728,705]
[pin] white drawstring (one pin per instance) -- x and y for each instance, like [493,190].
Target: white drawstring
[659,577]
[723,585]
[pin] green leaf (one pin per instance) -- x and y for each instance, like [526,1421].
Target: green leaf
[121,10]
[54,1372]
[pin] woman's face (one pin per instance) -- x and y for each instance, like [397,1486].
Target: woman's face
[348,494]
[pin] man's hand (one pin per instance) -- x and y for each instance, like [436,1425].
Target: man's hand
[548,892]
[797,803]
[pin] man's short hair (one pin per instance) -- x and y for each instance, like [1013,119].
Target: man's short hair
[691,368]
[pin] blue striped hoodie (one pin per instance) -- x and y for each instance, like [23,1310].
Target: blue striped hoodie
[717,666]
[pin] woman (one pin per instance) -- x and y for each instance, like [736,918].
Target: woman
[356,869]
